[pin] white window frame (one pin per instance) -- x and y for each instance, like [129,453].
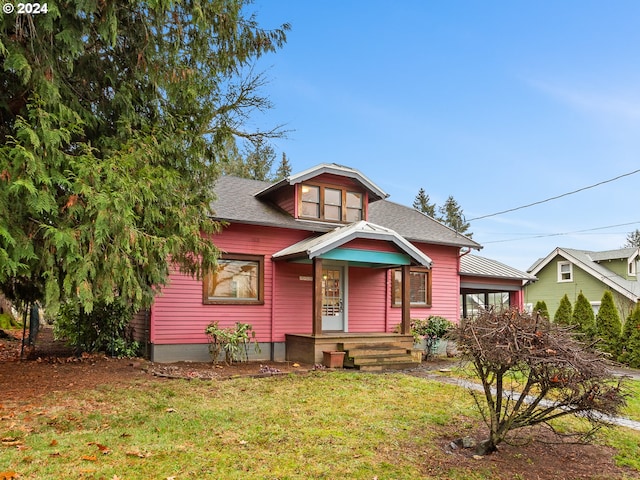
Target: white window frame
[562,264]
[632,268]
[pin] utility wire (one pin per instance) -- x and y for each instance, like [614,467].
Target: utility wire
[560,234]
[556,197]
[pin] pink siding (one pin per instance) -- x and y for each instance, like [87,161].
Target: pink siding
[286,199]
[330,179]
[367,299]
[445,285]
[178,314]
[293,299]
[516,299]
[493,281]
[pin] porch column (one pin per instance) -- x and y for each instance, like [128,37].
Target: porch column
[405,328]
[316,326]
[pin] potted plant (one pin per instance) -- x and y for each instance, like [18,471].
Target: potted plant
[429,332]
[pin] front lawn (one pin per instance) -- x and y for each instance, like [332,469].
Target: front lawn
[330,425]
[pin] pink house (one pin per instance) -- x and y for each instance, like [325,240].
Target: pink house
[318,261]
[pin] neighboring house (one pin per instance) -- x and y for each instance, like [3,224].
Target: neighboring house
[570,271]
[314,262]
[486,283]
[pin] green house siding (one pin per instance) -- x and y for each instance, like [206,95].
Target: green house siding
[619,267]
[548,288]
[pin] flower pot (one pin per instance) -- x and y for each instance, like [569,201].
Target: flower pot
[333,359]
[416,355]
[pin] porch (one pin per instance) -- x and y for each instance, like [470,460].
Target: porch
[364,351]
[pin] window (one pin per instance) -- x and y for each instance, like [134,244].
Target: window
[238,279]
[354,207]
[419,288]
[632,267]
[310,201]
[330,203]
[474,303]
[565,272]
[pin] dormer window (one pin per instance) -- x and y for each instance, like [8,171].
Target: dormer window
[330,203]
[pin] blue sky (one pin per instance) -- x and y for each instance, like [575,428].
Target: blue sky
[497,103]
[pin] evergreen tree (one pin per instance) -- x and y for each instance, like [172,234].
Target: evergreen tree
[422,204]
[583,317]
[563,313]
[541,308]
[452,216]
[112,119]
[631,340]
[284,169]
[633,239]
[609,328]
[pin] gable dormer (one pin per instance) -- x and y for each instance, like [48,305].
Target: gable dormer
[327,193]
[623,262]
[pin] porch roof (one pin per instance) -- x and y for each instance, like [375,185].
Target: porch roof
[322,245]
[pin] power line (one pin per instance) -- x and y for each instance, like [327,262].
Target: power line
[556,197]
[561,234]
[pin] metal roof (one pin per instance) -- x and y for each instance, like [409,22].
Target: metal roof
[477,266]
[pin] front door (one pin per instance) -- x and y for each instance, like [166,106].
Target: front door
[333,299]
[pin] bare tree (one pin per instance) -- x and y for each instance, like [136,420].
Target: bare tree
[534,371]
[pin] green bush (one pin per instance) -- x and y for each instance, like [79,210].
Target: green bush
[631,340]
[233,342]
[583,317]
[563,314]
[105,329]
[609,327]
[431,329]
[541,308]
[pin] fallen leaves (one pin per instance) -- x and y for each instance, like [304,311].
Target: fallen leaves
[8,475]
[103,448]
[10,442]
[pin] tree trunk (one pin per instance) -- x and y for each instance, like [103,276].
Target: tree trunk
[486,447]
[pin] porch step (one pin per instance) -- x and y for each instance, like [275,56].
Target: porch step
[380,356]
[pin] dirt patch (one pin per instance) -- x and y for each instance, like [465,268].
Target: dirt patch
[52,367]
[533,454]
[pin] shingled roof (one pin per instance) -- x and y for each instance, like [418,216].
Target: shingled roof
[237,201]
[588,261]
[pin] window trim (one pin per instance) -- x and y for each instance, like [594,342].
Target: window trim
[259,259]
[344,210]
[397,302]
[560,265]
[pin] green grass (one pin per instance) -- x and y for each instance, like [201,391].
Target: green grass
[322,425]
[632,410]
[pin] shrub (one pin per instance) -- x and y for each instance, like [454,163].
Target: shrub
[541,308]
[233,342]
[563,314]
[432,330]
[583,317]
[608,325]
[631,340]
[534,371]
[106,329]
